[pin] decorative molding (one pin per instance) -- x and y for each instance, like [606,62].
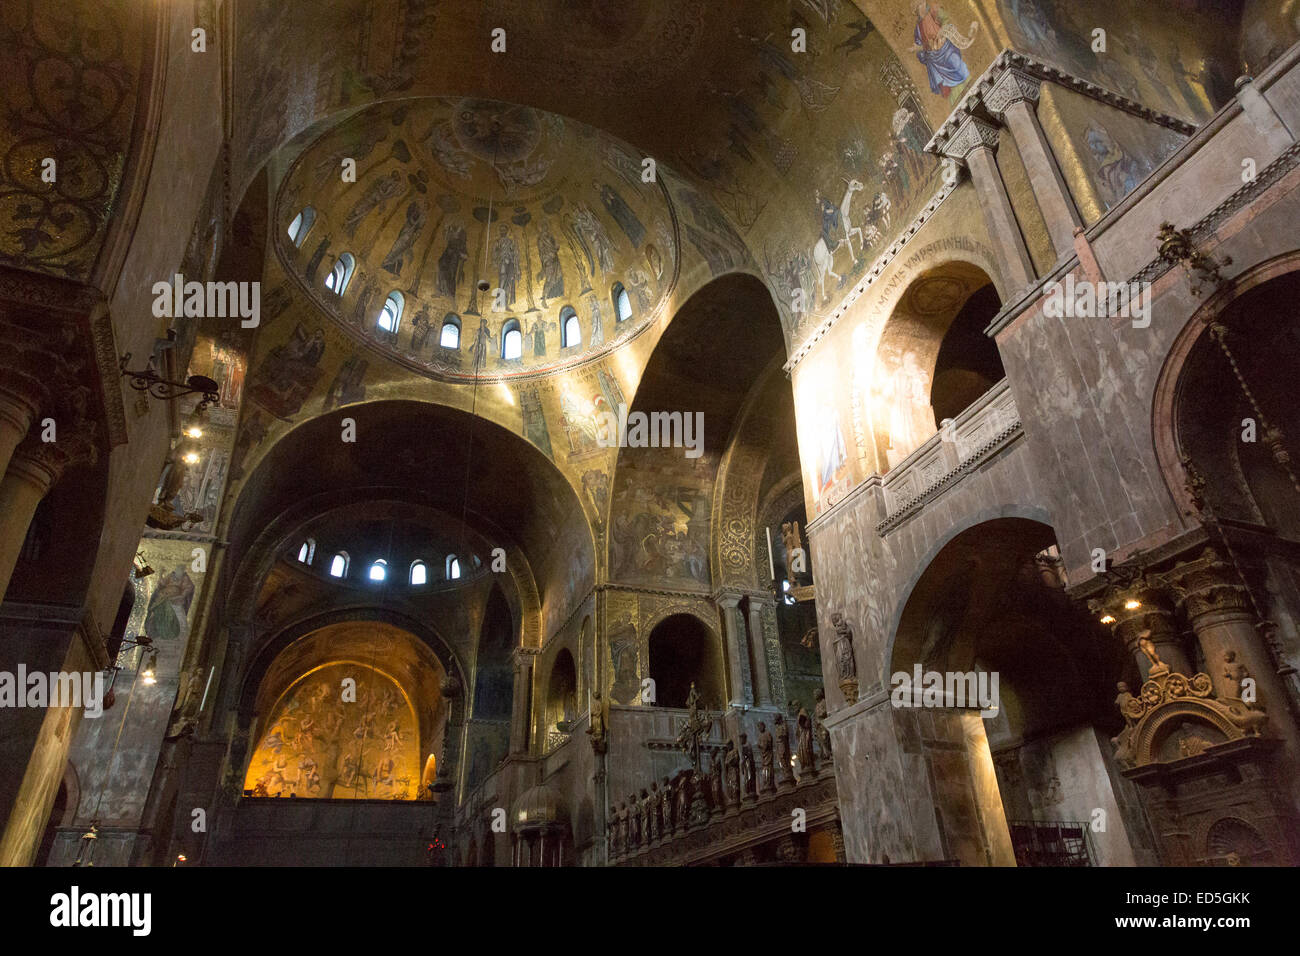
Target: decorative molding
[1001,439]
[1013,86]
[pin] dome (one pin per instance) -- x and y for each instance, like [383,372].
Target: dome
[539,806]
[486,216]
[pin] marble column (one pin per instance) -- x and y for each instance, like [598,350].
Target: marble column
[18,409]
[1145,610]
[1219,609]
[758,647]
[33,470]
[738,676]
[972,145]
[1012,99]
[521,709]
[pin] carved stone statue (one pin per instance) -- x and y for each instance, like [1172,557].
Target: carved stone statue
[666,807]
[624,828]
[807,762]
[823,733]
[649,804]
[1237,674]
[715,783]
[781,751]
[611,831]
[633,822]
[792,542]
[683,815]
[747,774]
[1122,740]
[766,774]
[732,761]
[1149,649]
[596,730]
[844,661]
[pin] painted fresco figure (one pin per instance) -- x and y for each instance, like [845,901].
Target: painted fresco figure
[169,606]
[451,264]
[505,256]
[552,274]
[938,47]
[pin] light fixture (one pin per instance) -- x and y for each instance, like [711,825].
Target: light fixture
[147,380]
[142,567]
[1108,619]
[191,458]
[1132,604]
[180,858]
[150,673]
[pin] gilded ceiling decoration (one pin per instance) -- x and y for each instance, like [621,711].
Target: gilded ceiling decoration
[489,216]
[69,97]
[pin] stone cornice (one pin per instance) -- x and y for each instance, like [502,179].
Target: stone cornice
[1031,69]
[1003,438]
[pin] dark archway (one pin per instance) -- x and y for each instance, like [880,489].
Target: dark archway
[682,651]
[968,364]
[989,616]
[561,699]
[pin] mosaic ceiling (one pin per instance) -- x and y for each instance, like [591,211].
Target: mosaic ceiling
[486,215]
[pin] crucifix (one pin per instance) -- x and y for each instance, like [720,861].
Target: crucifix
[695,729]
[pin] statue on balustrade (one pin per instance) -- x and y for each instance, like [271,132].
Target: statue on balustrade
[807,762]
[715,782]
[666,801]
[747,768]
[624,832]
[766,776]
[732,762]
[633,823]
[823,733]
[781,750]
[656,820]
[647,828]
[611,831]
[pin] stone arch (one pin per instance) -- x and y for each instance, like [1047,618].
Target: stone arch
[695,653]
[1172,383]
[932,359]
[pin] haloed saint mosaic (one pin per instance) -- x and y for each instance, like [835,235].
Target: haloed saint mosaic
[479,237]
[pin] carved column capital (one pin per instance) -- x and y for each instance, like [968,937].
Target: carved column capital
[1141,615]
[1012,87]
[1208,584]
[44,463]
[973,133]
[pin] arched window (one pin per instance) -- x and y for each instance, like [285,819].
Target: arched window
[622,303]
[301,225]
[570,328]
[339,565]
[340,274]
[308,551]
[453,567]
[450,337]
[419,573]
[391,314]
[512,341]
[379,570]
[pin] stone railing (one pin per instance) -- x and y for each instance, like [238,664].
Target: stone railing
[722,812]
[989,424]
